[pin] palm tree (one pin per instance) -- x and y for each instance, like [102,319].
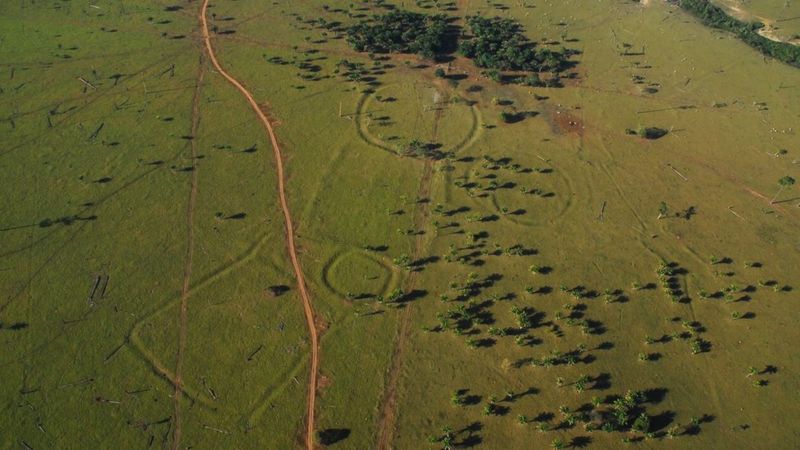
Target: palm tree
[783,183]
[447,438]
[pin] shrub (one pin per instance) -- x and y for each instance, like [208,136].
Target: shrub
[648,132]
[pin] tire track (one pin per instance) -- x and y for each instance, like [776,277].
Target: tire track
[307,307]
[183,318]
[388,405]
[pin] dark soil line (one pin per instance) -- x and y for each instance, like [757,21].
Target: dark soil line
[388,405]
[187,269]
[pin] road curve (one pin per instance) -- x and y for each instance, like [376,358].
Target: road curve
[298,271]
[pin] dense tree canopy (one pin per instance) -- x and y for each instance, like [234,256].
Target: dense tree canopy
[498,43]
[400,32]
[495,44]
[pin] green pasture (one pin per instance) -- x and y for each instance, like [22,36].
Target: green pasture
[97,161]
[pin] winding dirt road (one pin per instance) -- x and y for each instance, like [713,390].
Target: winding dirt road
[298,271]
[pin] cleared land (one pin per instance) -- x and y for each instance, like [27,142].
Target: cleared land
[503,293]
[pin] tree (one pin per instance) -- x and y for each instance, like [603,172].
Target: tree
[509,117]
[663,210]
[642,423]
[456,399]
[439,72]
[330,436]
[651,133]
[415,147]
[783,183]
[402,261]
[533,80]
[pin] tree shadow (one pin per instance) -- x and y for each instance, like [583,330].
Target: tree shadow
[468,399]
[14,326]
[66,220]
[421,263]
[580,442]
[655,395]
[473,438]
[601,382]
[413,295]
[605,346]
[485,343]
[330,436]
[278,290]
[661,420]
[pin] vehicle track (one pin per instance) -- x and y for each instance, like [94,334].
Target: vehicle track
[388,407]
[309,312]
[183,318]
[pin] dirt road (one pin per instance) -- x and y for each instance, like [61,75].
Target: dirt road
[298,271]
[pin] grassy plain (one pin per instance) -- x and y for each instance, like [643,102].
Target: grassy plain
[102,375]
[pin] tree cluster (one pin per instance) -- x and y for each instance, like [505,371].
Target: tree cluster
[497,43]
[400,32]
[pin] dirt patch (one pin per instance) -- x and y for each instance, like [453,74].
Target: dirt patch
[564,122]
[321,325]
[323,383]
[265,109]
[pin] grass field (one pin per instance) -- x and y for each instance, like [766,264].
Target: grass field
[139,184]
